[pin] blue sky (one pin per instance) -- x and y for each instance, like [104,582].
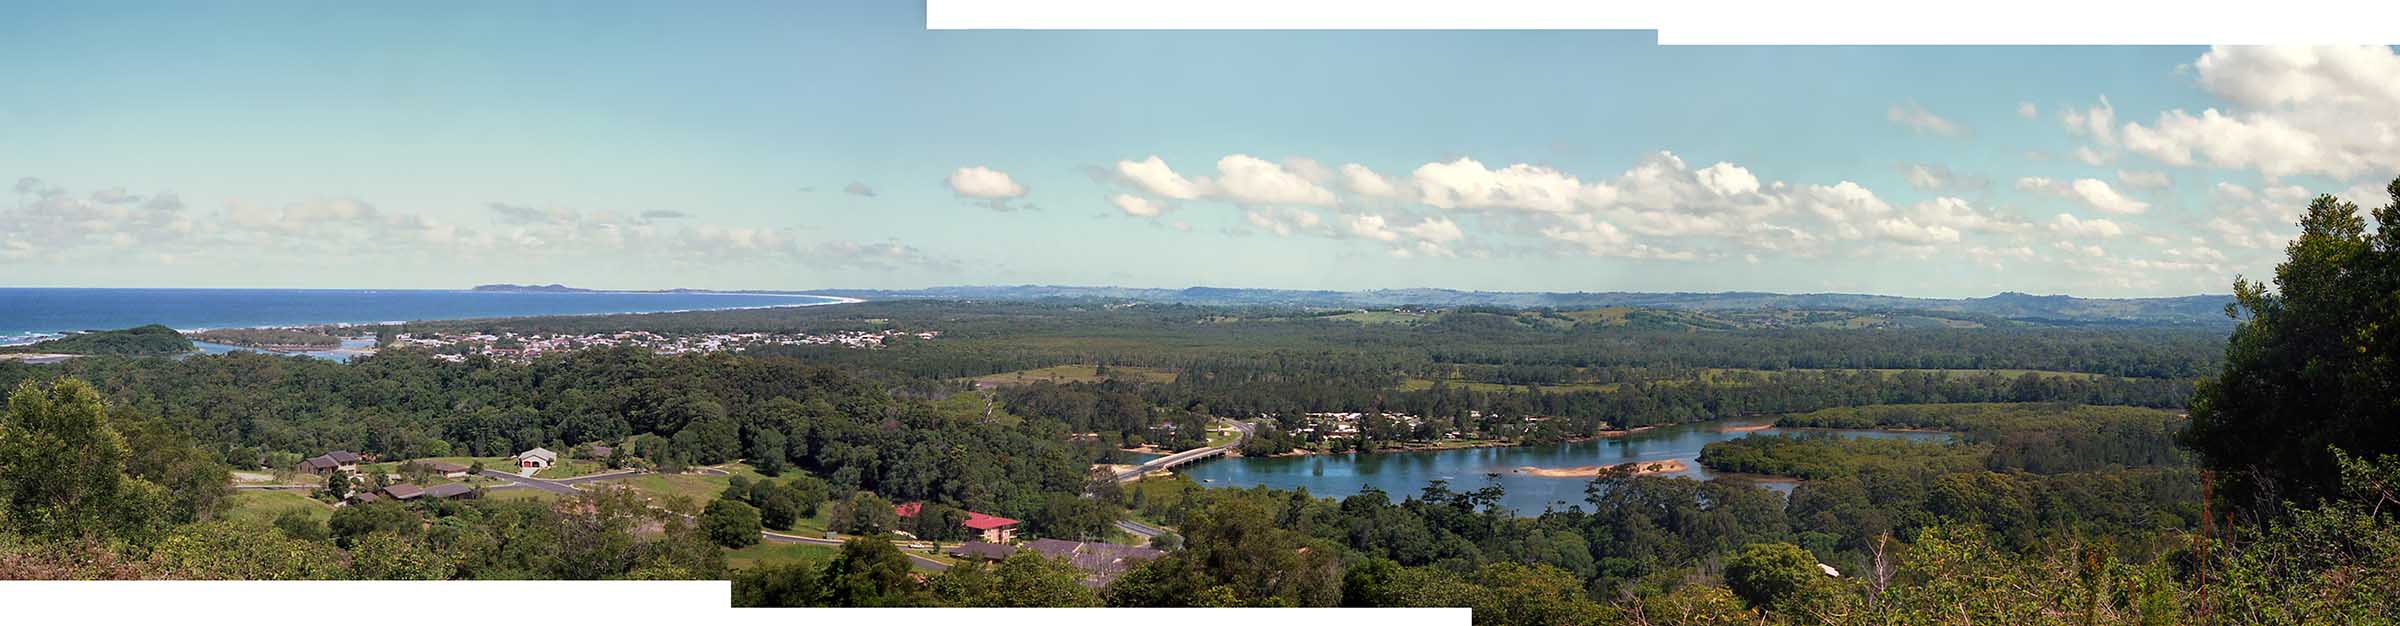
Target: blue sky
[841,145]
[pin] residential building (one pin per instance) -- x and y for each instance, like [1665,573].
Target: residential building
[537,458]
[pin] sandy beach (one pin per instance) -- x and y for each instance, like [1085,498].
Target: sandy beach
[1668,466]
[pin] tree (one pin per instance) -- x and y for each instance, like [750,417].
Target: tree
[1024,579]
[1774,576]
[351,523]
[2309,365]
[62,468]
[730,523]
[337,485]
[864,514]
[388,556]
[777,585]
[777,507]
[236,551]
[870,571]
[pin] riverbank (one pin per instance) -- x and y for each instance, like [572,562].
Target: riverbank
[1637,468]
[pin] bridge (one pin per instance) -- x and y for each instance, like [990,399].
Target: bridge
[1186,457]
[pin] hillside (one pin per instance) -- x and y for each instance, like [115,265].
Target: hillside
[148,340]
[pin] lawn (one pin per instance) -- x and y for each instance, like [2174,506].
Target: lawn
[522,493]
[1075,374]
[265,506]
[771,553]
[697,486]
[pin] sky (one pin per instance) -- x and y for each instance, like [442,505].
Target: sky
[840,144]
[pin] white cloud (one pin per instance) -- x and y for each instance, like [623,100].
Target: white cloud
[2098,122]
[1365,182]
[2028,111]
[2329,111]
[1136,206]
[1917,118]
[2140,179]
[984,183]
[1245,179]
[2091,192]
[1153,175]
[2096,228]
[1466,184]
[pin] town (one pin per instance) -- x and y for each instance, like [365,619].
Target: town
[519,348]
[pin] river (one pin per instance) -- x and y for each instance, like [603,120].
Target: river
[1404,474]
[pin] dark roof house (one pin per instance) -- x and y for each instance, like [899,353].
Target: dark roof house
[1101,562]
[404,491]
[344,457]
[449,490]
[983,550]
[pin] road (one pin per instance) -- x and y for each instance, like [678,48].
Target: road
[1146,531]
[920,561]
[551,486]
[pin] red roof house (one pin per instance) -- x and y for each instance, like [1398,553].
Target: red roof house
[995,529]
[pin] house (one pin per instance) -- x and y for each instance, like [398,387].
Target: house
[318,465]
[343,460]
[537,458]
[447,491]
[367,497]
[1101,562]
[403,491]
[983,550]
[443,469]
[995,529]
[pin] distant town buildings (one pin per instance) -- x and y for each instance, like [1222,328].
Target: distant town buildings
[509,346]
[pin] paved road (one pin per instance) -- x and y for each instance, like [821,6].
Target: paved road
[920,561]
[551,486]
[277,487]
[1145,530]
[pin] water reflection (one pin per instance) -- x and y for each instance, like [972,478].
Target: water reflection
[1406,474]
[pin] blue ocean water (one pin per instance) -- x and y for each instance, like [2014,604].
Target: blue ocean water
[26,313]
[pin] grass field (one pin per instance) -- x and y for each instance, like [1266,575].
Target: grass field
[522,493]
[1385,317]
[1074,374]
[264,506]
[699,487]
[772,553]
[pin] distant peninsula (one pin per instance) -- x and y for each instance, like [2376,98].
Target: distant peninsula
[549,288]
[151,340]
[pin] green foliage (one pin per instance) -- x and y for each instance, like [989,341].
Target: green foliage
[730,523]
[236,551]
[864,514]
[151,340]
[1774,576]
[1024,579]
[2309,364]
[62,470]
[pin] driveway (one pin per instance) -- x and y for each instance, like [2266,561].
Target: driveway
[551,486]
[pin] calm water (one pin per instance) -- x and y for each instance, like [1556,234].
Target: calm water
[1406,474]
[30,313]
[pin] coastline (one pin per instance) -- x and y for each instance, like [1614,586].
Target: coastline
[30,337]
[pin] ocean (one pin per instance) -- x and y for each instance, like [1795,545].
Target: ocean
[27,314]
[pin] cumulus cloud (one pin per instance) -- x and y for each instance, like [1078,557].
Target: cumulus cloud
[2071,226]
[663,214]
[1917,118]
[2091,192]
[2328,111]
[1136,206]
[1153,175]
[2141,179]
[1244,179]
[1365,182]
[1938,177]
[993,188]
